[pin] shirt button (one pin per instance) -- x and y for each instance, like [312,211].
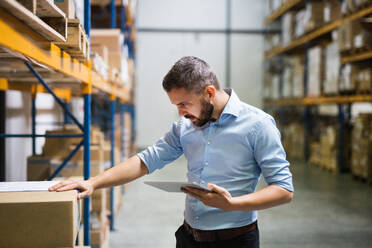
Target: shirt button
[209,142]
[197,217]
[206,163]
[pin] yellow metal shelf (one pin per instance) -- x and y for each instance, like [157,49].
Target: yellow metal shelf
[319,100]
[357,57]
[18,37]
[284,8]
[317,33]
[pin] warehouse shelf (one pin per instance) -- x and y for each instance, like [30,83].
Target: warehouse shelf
[282,10]
[316,33]
[34,88]
[357,57]
[319,100]
[21,39]
[30,61]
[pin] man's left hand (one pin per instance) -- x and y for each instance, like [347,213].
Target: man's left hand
[219,198]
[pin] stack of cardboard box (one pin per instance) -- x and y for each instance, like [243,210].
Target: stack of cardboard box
[361,162]
[332,66]
[314,15]
[316,71]
[108,44]
[39,219]
[324,149]
[293,140]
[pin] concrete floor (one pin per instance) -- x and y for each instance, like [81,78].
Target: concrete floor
[328,210]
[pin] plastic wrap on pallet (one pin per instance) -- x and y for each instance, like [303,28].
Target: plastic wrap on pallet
[300,23]
[363,34]
[348,79]
[332,67]
[298,75]
[287,27]
[332,10]
[274,5]
[361,158]
[287,88]
[314,15]
[271,41]
[365,80]
[315,71]
[79,10]
[275,79]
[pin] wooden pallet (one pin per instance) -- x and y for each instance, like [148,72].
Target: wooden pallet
[43,16]
[77,43]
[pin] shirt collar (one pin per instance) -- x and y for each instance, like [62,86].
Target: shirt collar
[233,104]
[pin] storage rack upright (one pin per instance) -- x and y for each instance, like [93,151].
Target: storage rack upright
[20,42]
[305,42]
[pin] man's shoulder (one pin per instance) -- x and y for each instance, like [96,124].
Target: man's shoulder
[253,113]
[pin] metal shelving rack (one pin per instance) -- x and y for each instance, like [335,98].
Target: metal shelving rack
[79,80]
[304,42]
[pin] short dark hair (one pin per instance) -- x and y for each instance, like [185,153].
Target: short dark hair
[190,73]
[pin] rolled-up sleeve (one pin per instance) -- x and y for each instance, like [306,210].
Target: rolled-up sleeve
[270,155]
[166,150]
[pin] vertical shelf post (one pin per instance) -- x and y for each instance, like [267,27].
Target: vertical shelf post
[113,14]
[33,117]
[87,91]
[307,114]
[87,15]
[66,117]
[87,120]
[122,136]
[112,138]
[341,126]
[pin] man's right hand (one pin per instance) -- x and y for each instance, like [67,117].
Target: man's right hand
[85,188]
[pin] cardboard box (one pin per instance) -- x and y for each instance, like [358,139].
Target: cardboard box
[332,11]
[316,70]
[67,6]
[332,67]
[314,16]
[99,200]
[100,237]
[111,38]
[39,168]
[39,219]
[101,50]
[300,23]
[298,75]
[288,27]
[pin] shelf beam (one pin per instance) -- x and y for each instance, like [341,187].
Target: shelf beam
[319,100]
[22,39]
[282,10]
[356,57]
[317,33]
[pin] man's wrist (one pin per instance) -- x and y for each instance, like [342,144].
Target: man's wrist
[92,182]
[233,204]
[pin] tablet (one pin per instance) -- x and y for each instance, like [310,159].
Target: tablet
[175,186]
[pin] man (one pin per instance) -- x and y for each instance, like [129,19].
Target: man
[227,144]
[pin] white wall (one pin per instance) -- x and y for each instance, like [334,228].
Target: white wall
[18,121]
[157,52]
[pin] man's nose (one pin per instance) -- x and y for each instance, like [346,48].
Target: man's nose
[181,112]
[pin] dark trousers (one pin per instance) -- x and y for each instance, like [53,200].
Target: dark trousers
[247,240]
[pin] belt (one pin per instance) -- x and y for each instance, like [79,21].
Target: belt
[220,234]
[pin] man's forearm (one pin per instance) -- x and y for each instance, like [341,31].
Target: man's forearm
[267,197]
[122,173]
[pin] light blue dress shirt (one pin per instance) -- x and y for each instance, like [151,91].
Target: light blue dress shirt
[231,152]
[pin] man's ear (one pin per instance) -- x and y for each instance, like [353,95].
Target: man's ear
[210,91]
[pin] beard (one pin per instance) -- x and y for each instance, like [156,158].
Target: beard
[205,114]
